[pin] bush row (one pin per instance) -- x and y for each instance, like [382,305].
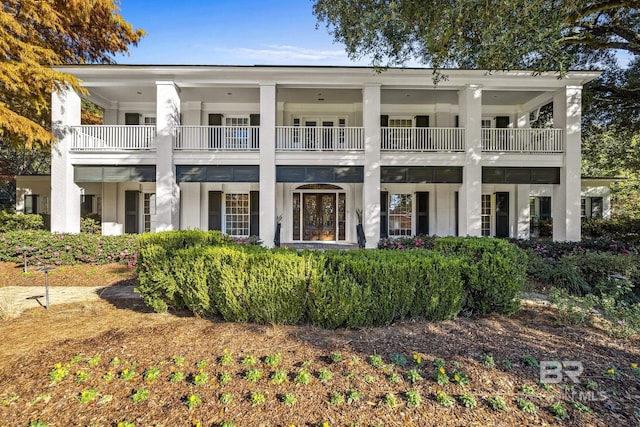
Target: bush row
[621,229]
[330,289]
[19,222]
[42,247]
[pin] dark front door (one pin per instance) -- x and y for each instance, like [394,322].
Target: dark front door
[132,211]
[319,216]
[502,214]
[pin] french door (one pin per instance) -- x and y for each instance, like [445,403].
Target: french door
[318,216]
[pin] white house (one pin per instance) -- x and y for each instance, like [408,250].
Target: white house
[241,148]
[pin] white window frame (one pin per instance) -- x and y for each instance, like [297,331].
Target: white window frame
[231,218]
[400,216]
[410,119]
[486,214]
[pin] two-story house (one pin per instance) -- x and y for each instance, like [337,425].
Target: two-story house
[243,148]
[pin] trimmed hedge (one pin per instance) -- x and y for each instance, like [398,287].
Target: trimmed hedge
[44,247]
[18,222]
[209,274]
[620,229]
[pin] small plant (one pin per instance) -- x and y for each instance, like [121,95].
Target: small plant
[226,398]
[460,378]
[324,375]
[336,357]
[545,386]
[438,363]
[487,360]
[306,363]
[580,407]
[226,359]
[278,377]
[201,364]
[444,399]
[88,395]
[369,379]
[440,376]
[413,398]
[44,397]
[376,361]
[506,364]
[417,359]
[249,360]
[635,371]
[93,361]
[176,377]
[288,399]
[567,388]
[193,400]
[394,378]
[140,395]
[525,405]
[75,359]
[227,424]
[303,377]
[611,373]
[530,361]
[82,376]
[390,400]
[115,361]
[38,423]
[10,399]
[200,378]
[413,376]
[592,385]
[108,376]
[468,400]
[559,411]
[527,389]
[257,398]
[127,374]
[273,360]
[150,375]
[398,359]
[253,375]
[178,360]
[336,399]
[224,378]
[497,403]
[353,396]
[58,373]
[125,423]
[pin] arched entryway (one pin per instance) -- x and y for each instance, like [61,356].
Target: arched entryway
[319,213]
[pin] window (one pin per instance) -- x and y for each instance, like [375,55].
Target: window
[400,123]
[583,208]
[596,207]
[31,204]
[86,205]
[149,212]
[149,120]
[400,214]
[486,215]
[236,132]
[237,214]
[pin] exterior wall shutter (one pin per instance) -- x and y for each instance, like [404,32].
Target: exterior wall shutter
[457,212]
[457,121]
[215,210]
[131,211]
[384,121]
[384,214]
[545,207]
[422,223]
[254,119]
[132,118]
[502,214]
[502,122]
[215,119]
[422,121]
[254,206]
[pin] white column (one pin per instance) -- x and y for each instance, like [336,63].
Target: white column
[522,119]
[567,115]
[65,194]
[267,163]
[192,113]
[470,208]
[110,116]
[371,186]
[167,191]
[523,211]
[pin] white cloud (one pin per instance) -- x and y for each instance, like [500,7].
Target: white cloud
[287,54]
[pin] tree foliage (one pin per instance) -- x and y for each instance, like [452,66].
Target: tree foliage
[38,34]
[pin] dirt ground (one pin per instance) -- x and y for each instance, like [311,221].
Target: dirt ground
[86,339]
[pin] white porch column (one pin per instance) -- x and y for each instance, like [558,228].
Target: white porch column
[371,186]
[522,119]
[523,211]
[267,163]
[65,211]
[567,115]
[470,209]
[192,113]
[110,116]
[167,191]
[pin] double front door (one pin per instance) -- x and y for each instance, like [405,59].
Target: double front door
[319,216]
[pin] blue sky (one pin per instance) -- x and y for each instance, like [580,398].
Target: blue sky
[223,32]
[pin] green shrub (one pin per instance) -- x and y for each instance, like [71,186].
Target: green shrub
[180,239]
[156,282]
[621,229]
[19,222]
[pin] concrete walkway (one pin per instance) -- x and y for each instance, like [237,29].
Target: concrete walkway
[20,298]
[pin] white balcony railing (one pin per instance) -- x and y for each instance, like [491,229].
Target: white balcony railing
[219,138]
[523,140]
[112,137]
[422,139]
[301,138]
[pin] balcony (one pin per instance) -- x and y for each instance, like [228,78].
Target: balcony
[301,138]
[89,138]
[217,138]
[422,139]
[528,141]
